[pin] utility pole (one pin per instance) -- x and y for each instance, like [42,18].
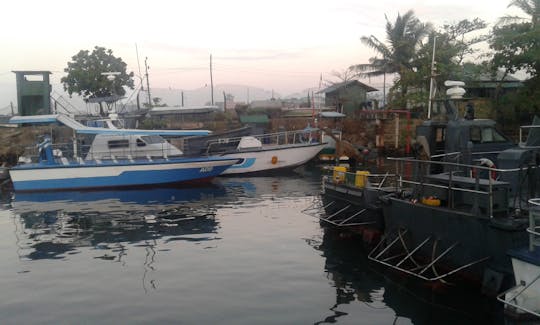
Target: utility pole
[211,82]
[224,102]
[148,83]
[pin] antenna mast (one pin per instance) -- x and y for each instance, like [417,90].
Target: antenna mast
[148,83]
[432,79]
[211,82]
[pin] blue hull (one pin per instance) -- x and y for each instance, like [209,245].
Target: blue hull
[70,177]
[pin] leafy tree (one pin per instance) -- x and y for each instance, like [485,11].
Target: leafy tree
[516,42]
[341,76]
[453,44]
[517,47]
[87,76]
[158,102]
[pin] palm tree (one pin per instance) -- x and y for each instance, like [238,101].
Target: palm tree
[529,7]
[404,37]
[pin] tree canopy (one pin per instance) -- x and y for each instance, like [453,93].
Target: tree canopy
[516,40]
[407,55]
[404,37]
[516,45]
[88,75]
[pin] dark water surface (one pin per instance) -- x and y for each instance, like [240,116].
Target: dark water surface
[239,251]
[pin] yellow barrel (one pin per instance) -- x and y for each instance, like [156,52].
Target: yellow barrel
[339,174]
[361,178]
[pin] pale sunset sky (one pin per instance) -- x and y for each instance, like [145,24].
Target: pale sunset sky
[280,45]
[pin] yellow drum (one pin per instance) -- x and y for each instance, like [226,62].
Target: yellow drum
[339,174]
[361,179]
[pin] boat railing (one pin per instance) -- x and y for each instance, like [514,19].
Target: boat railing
[525,130]
[64,152]
[162,151]
[268,139]
[534,224]
[483,189]
[517,295]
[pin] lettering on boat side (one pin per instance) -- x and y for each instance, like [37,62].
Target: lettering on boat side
[206,169]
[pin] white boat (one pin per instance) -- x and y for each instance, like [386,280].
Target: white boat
[268,152]
[524,299]
[115,158]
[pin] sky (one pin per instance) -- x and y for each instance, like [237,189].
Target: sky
[280,45]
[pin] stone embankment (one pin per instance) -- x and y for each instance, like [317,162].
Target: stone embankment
[13,142]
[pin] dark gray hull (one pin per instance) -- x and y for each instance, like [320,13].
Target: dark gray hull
[475,239]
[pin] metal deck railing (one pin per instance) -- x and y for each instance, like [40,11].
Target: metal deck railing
[459,180]
[65,153]
[271,139]
[350,213]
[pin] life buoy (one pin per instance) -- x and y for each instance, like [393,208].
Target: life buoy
[484,162]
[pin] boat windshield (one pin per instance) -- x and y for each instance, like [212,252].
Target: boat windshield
[151,139]
[486,135]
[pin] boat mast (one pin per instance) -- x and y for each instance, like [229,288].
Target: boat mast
[140,77]
[432,79]
[148,83]
[211,81]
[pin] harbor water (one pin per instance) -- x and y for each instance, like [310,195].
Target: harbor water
[237,251]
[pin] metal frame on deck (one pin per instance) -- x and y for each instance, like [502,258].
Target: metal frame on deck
[408,254]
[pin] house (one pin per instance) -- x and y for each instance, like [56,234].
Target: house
[486,85]
[347,97]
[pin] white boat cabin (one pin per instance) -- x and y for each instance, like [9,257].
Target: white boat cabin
[107,146]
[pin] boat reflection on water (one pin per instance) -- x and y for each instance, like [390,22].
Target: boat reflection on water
[356,280]
[56,224]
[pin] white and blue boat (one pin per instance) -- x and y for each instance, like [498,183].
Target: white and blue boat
[523,300]
[115,158]
[267,153]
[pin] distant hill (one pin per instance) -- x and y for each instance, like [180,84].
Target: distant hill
[202,96]
[171,97]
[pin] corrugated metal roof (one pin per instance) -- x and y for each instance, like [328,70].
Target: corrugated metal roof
[344,84]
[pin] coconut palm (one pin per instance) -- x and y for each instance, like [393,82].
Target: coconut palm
[403,37]
[529,7]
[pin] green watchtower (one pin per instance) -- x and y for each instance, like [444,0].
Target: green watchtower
[33,92]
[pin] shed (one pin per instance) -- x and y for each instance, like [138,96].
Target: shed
[347,96]
[258,122]
[33,92]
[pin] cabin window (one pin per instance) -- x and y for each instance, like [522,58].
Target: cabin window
[486,135]
[476,135]
[140,143]
[115,144]
[439,135]
[492,135]
[152,139]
